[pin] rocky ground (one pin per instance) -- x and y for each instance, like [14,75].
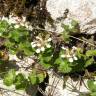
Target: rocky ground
[84,11]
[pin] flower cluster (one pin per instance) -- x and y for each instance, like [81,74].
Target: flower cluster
[40,45]
[69,54]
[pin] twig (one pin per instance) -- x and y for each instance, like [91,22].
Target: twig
[55,86]
[40,90]
[13,91]
[69,36]
[83,41]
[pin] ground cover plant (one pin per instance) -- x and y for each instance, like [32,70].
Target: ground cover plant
[51,50]
[67,53]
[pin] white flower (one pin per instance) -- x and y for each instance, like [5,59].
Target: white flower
[64,48]
[34,45]
[75,58]
[39,45]
[26,24]
[62,77]
[68,55]
[42,49]
[16,26]
[0,34]
[48,45]
[63,56]
[22,24]
[70,26]
[70,59]
[12,20]
[30,27]
[37,37]
[74,47]
[23,18]
[94,82]
[38,50]
[50,39]
[4,18]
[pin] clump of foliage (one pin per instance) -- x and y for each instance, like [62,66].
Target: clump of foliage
[51,50]
[92,87]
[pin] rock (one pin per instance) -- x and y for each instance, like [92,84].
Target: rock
[82,10]
[72,87]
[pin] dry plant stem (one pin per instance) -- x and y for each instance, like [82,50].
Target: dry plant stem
[84,84]
[40,90]
[52,85]
[55,86]
[70,36]
[83,41]
[13,91]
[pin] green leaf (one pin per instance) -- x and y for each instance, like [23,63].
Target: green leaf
[2,62]
[3,26]
[92,85]
[14,35]
[36,78]
[64,67]
[33,78]
[23,31]
[19,34]
[9,77]
[26,47]
[13,51]
[93,94]
[9,44]
[91,53]
[58,61]
[40,77]
[66,36]
[66,27]
[89,62]
[46,59]
[45,65]
[20,82]
[74,23]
